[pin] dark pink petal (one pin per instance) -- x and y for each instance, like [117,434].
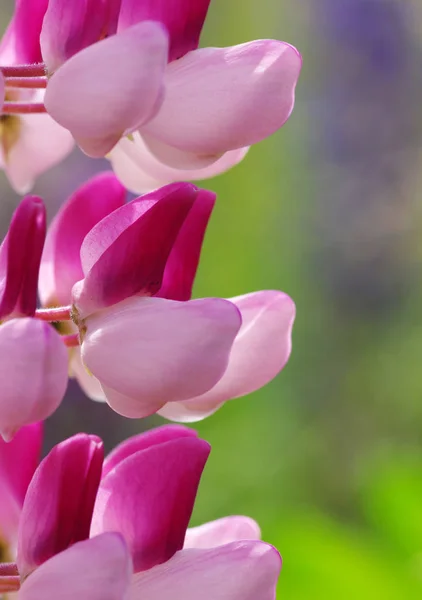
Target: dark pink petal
[267,322]
[153,350]
[134,262]
[96,569]
[239,571]
[21,42]
[20,256]
[69,27]
[18,461]
[149,498]
[58,506]
[182,263]
[145,440]
[111,88]
[61,264]
[33,372]
[182,18]
[220,99]
[222,531]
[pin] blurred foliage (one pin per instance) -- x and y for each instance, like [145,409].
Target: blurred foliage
[328,457]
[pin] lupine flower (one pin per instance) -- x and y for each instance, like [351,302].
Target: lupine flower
[139,525]
[149,345]
[33,358]
[29,143]
[131,71]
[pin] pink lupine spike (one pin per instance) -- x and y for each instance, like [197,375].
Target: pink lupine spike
[183,19]
[58,506]
[20,256]
[21,42]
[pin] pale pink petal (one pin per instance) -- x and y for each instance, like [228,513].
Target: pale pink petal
[61,265]
[134,262]
[220,99]
[69,27]
[89,384]
[221,532]
[140,171]
[96,569]
[260,351]
[152,437]
[59,502]
[110,88]
[2,89]
[149,498]
[239,571]
[18,461]
[156,350]
[21,42]
[33,371]
[41,144]
[183,20]
[128,406]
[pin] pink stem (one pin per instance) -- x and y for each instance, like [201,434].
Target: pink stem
[9,584]
[22,108]
[8,569]
[37,70]
[61,313]
[26,82]
[71,340]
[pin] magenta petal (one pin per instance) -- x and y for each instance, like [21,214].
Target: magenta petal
[61,264]
[58,506]
[220,99]
[96,569]
[155,351]
[18,461]
[145,440]
[134,262]
[183,20]
[69,27]
[267,322]
[33,372]
[239,571]
[21,42]
[20,256]
[110,88]
[181,266]
[149,497]
[222,531]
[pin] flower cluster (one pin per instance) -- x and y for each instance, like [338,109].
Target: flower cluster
[125,79]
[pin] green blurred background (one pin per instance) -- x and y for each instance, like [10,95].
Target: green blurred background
[328,457]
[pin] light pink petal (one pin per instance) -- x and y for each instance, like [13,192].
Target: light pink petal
[18,461]
[2,89]
[69,27]
[156,350]
[21,41]
[134,262]
[110,88]
[260,351]
[145,440]
[129,406]
[59,502]
[41,144]
[149,498]
[239,571]
[33,371]
[221,532]
[61,264]
[96,569]
[183,19]
[89,384]
[141,171]
[220,99]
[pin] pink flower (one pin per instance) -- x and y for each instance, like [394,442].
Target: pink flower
[33,358]
[142,508]
[150,346]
